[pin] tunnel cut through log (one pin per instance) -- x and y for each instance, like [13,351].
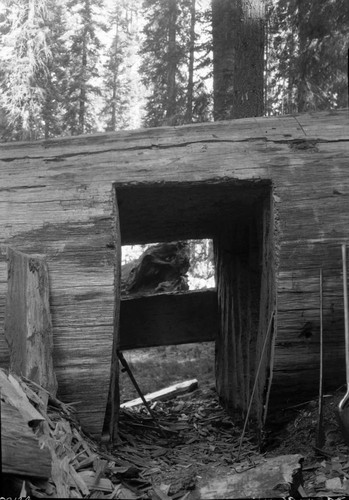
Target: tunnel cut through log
[245,274]
[238,216]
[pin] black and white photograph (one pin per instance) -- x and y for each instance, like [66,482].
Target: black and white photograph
[174,245]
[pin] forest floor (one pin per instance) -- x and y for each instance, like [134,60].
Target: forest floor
[192,443]
[202,442]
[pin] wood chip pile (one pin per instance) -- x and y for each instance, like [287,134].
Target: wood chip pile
[162,459]
[78,467]
[197,439]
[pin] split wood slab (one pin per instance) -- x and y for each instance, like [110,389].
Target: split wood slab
[276,478]
[28,324]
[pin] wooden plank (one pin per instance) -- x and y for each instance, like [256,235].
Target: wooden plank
[28,326]
[164,394]
[168,319]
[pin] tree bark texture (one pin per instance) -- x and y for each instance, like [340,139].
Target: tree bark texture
[171,62]
[190,90]
[238,58]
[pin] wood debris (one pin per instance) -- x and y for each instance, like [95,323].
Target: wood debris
[72,465]
[18,441]
[276,477]
[201,437]
[199,442]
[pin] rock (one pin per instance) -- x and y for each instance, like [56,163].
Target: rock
[276,477]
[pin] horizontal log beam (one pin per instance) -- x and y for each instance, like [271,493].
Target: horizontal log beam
[168,319]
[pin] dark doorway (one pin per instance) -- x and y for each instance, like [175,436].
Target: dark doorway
[238,216]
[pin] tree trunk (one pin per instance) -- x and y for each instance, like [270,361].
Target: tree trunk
[238,62]
[189,110]
[116,68]
[172,63]
[82,98]
[302,62]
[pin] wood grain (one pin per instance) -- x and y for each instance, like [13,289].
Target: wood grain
[28,325]
[56,199]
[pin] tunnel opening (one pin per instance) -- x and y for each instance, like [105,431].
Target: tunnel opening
[238,217]
[186,266]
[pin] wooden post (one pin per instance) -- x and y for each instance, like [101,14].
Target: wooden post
[28,326]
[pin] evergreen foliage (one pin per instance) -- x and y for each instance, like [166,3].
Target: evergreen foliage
[73,66]
[121,82]
[83,48]
[307,55]
[26,56]
[170,60]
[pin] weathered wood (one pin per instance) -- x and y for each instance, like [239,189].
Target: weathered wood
[13,394]
[28,326]
[277,477]
[244,257]
[56,199]
[111,418]
[168,319]
[164,394]
[19,444]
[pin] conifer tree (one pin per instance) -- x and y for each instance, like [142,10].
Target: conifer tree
[25,58]
[84,47]
[172,56]
[121,82]
[238,58]
[164,59]
[307,55]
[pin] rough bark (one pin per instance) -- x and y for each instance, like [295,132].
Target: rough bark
[238,58]
[302,10]
[190,88]
[171,62]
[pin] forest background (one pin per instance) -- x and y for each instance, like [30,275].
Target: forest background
[70,67]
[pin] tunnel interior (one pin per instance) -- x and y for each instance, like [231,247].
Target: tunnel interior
[238,217]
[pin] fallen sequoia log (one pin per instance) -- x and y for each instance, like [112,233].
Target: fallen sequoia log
[161,267]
